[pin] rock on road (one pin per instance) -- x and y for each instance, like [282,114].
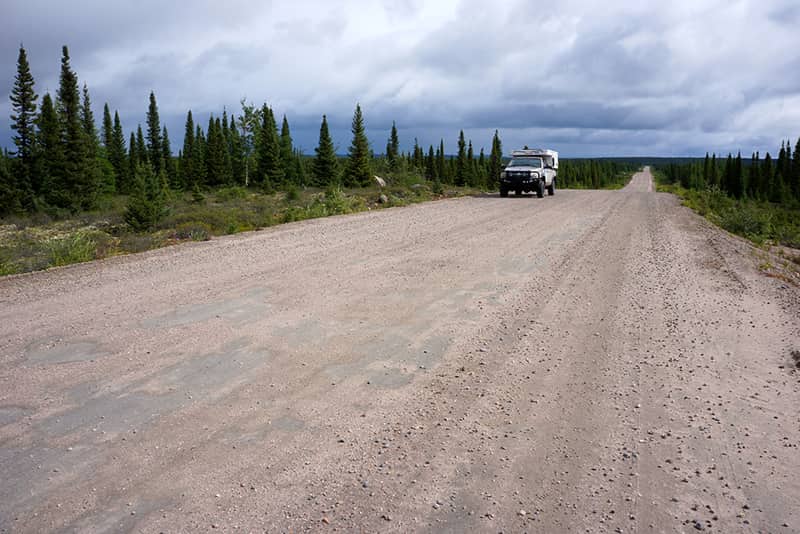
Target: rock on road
[601,361]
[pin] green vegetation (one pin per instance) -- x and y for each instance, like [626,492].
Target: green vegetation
[38,241]
[757,199]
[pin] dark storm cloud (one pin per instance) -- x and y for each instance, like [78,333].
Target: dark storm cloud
[621,79]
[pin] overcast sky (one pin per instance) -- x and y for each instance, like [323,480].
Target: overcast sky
[587,78]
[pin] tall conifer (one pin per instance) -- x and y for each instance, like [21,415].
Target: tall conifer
[187,154]
[49,150]
[461,161]
[268,152]
[23,116]
[357,171]
[108,128]
[287,153]
[154,149]
[117,156]
[74,188]
[324,168]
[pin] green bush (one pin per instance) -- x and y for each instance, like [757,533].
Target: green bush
[227,194]
[194,230]
[747,222]
[6,267]
[148,203]
[292,194]
[75,248]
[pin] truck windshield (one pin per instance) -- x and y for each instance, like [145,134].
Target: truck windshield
[526,162]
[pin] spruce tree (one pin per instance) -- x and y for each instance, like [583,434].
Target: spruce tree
[49,151]
[198,159]
[142,154]
[442,170]
[187,154]
[738,177]
[471,174]
[133,160]
[226,133]
[108,129]
[237,155]
[418,156]
[287,154]
[117,155]
[215,153]
[89,126]
[324,169]
[169,162]
[299,167]
[268,152]
[357,171]
[767,178]
[23,116]
[73,186]
[480,169]
[495,161]
[392,147]
[154,149]
[430,165]
[96,179]
[461,161]
[148,201]
[714,172]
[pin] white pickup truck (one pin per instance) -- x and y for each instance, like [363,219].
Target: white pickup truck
[530,170]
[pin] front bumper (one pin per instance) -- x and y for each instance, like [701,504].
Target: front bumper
[520,181]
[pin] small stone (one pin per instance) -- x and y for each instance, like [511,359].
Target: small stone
[522,513]
[326,520]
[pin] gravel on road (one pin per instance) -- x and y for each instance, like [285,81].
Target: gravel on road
[601,361]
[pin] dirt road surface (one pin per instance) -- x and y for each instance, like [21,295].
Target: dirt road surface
[596,361]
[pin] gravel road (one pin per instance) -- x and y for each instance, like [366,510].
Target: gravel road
[596,361]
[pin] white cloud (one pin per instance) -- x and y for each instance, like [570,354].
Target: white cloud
[623,78]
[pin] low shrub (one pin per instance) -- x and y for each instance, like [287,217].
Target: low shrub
[194,230]
[227,194]
[75,248]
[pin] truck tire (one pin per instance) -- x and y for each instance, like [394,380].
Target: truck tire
[503,191]
[551,189]
[518,192]
[540,189]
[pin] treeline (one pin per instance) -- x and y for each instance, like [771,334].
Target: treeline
[594,174]
[62,161]
[772,180]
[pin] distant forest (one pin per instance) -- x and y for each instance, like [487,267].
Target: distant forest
[772,180]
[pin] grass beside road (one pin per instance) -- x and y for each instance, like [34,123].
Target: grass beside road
[774,228]
[760,222]
[42,241]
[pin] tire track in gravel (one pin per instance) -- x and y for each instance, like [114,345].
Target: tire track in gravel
[595,361]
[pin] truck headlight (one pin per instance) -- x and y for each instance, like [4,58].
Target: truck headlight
[502,174]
